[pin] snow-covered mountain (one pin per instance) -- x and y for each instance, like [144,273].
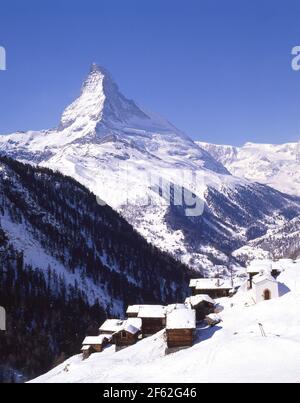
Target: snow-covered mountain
[66,260]
[275,165]
[281,242]
[122,152]
[234,351]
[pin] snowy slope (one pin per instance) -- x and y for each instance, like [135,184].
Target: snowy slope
[233,351]
[65,259]
[112,146]
[274,165]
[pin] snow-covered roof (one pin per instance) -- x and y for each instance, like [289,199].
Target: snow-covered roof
[92,340]
[152,311]
[193,282]
[171,307]
[131,329]
[197,299]
[85,348]
[135,308]
[260,278]
[213,283]
[111,325]
[131,325]
[181,319]
[136,322]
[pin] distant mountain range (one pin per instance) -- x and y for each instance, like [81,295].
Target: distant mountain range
[110,145]
[277,166]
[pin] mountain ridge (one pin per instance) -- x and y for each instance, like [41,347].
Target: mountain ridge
[276,165]
[116,154]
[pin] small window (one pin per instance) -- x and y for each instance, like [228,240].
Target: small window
[123,335]
[267,295]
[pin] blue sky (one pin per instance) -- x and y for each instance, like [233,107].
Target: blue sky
[219,70]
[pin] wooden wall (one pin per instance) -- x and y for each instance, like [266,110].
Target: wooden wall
[125,338]
[152,325]
[180,337]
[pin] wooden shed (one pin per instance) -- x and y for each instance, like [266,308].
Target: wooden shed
[110,327]
[202,304]
[153,319]
[180,328]
[213,287]
[94,344]
[129,333]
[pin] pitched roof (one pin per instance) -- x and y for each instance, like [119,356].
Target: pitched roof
[152,311]
[181,319]
[131,329]
[93,340]
[135,323]
[111,325]
[260,278]
[197,299]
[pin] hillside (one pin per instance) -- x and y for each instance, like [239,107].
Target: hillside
[64,257]
[233,351]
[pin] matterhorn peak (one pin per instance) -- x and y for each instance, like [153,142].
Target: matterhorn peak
[98,68]
[100,101]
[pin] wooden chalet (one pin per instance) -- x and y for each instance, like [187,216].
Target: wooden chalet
[153,319]
[129,334]
[213,287]
[202,304]
[111,326]
[94,344]
[180,328]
